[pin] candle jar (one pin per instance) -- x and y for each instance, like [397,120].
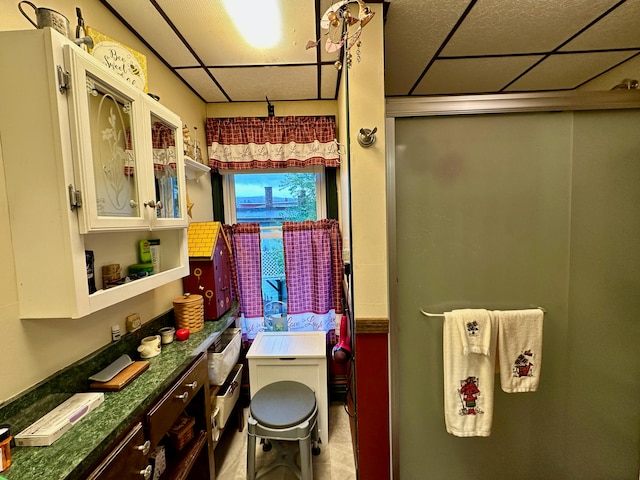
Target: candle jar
[5,447]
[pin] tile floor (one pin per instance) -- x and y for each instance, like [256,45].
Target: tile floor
[335,461]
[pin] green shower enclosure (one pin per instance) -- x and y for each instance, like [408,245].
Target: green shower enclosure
[510,211]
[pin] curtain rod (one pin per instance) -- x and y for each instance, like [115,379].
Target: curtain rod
[441,315]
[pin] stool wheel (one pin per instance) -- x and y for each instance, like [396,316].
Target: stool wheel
[315,451]
[266,446]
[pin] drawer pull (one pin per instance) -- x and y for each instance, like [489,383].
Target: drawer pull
[193,385]
[145,447]
[183,396]
[146,473]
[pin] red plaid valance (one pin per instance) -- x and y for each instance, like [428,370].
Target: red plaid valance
[163,140]
[271,142]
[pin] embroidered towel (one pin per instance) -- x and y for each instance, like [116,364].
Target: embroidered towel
[519,349]
[475,329]
[468,382]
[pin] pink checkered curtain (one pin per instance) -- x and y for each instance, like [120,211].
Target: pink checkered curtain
[228,232]
[245,243]
[164,150]
[272,142]
[313,268]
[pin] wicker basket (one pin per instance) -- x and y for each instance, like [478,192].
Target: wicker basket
[189,312]
[181,432]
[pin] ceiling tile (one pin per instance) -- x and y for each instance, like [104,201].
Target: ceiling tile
[567,71]
[329,82]
[201,82]
[619,29]
[214,38]
[413,33]
[472,75]
[149,24]
[254,83]
[511,34]
[522,26]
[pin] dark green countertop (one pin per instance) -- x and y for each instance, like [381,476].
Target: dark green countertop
[71,455]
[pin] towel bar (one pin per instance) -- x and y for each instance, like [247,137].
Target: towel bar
[441,315]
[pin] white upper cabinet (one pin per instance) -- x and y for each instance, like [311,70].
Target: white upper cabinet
[91,168]
[131,175]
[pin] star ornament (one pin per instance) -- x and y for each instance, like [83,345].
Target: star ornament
[189,206]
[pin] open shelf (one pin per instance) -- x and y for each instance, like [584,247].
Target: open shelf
[186,458]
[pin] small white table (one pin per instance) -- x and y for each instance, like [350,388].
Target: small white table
[296,356]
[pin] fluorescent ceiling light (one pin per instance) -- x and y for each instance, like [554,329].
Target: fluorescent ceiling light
[258,21]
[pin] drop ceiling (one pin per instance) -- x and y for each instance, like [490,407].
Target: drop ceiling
[432,47]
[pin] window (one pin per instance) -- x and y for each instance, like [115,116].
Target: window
[269,198]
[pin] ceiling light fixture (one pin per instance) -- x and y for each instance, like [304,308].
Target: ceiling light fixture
[258,21]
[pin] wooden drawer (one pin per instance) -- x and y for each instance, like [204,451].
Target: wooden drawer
[128,460]
[172,404]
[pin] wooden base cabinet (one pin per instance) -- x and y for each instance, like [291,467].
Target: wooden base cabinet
[190,457]
[129,459]
[189,396]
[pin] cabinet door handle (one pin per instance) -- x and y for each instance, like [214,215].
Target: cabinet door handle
[154,204]
[146,473]
[145,447]
[193,385]
[183,396]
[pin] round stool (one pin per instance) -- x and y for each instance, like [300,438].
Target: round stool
[283,412]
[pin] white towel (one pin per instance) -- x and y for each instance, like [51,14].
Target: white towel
[468,382]
[520,349]
[475,329]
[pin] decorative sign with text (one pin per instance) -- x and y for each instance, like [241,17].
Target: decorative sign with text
[122,60]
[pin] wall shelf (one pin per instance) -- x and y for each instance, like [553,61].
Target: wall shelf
[194,170]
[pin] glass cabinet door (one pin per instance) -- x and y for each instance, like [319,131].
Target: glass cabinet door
[168,168]
[113,151]
[128,158]
[107,143]
[164,169]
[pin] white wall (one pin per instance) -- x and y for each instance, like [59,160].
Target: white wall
[366,109]
[35,349]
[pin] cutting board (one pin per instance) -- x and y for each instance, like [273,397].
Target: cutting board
[121,380]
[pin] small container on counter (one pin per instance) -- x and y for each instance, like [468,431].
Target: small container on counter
[5,447]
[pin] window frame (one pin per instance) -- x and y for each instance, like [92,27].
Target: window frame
[229,194]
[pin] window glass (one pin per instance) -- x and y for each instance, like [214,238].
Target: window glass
[269,199]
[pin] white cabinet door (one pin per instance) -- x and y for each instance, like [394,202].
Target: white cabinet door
[167,195]
[127,152]
[104,119]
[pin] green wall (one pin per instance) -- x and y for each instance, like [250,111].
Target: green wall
[517,211]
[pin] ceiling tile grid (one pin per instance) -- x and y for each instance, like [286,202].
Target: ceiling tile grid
[522,26]
[566,72]
[619,29]
[472,75]
[255,83]
[145,19]
[432,47]
[412,38]
[200,81]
